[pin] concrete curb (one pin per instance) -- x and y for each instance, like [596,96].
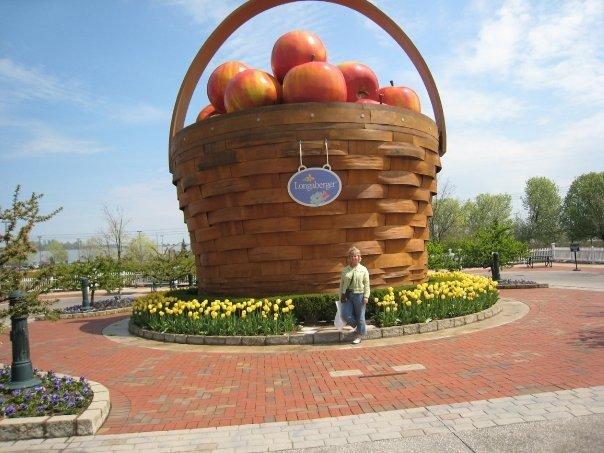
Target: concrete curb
[85,424]
[323,336]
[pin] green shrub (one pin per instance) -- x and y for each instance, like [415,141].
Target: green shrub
[439,258]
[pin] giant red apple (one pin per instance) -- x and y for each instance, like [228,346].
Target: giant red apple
[314,82]
[400,97]
[251,88]
[295,48]
[218,81]
[207,112]
[361,81]
[367,101]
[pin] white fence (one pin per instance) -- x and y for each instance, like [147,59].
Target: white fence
[561,254]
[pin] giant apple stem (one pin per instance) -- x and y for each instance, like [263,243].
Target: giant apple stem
[392,83]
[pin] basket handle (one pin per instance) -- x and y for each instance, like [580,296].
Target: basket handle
[252,8]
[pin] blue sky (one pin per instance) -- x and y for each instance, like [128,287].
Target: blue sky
[87,91]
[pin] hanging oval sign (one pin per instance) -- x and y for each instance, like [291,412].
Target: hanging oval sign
[314,187]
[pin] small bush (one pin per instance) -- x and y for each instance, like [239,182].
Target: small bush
[439,258]
[54,396]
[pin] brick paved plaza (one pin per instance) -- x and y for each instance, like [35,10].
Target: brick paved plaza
[521,371]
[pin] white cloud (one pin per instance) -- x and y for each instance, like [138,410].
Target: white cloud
[493,161]
[22,83]
[535,48]
[33,83]
[206,11]
[139,113]
[49,142]
[152,203]
[468,105]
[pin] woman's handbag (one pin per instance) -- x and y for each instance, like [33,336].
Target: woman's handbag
[338,322]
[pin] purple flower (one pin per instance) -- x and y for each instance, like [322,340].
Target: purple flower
[16,392]
[10,410]
[82,379]
[54,398]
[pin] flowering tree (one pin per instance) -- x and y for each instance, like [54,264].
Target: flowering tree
[19,219]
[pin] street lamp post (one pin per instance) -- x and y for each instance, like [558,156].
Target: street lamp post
[21,373]
[85,299]
[495,275]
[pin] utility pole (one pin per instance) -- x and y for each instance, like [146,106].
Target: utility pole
[140,247]
[78,246]
[162,243]
[39,251]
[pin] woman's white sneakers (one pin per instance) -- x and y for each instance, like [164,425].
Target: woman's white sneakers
[357,340]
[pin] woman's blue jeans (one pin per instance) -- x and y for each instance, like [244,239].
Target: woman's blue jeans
[353,311]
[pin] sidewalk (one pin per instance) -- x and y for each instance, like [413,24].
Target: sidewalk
[555,347]
[568,420]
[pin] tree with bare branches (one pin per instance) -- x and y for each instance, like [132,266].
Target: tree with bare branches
[114,234]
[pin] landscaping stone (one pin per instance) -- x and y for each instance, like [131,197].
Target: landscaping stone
[300,338]
[157,336]
[480,316]
[394,331]
[22,428]
[373,334]
[88,422]
[459,321]
[327,337]
[443,324]
[277,339]
[470,318]
[215,339]
[431,326]
[147,334]
[62,425]
[180,338]
[253,341]
[196,339]
[411,329]
[101,402]
[169,337]
[233,341]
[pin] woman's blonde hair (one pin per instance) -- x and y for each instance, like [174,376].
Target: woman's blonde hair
[354,251]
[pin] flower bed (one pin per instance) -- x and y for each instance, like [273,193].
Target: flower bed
[54,396]
[445,295]
[111,303]
[162,313]
[520,284]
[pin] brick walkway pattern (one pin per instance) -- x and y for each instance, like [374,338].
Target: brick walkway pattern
[557,346]
[453,418]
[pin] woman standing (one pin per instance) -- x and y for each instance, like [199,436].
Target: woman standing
[354,293]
